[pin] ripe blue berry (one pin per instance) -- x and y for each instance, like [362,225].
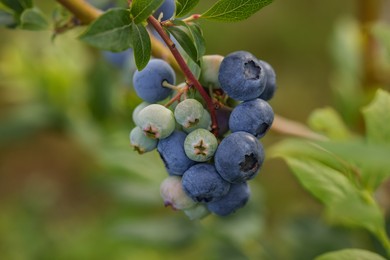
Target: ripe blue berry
[239,157]
[156,121]
[270,86]
[200,145]
[188,112]
[254,116]
[172,153]
[236,198]
[148,83]
[203,184]
[172,192]
[140,142]
[118,59]
[242,76]
[167,9]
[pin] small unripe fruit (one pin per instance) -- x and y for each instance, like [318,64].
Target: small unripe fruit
[156,121]
[172,192]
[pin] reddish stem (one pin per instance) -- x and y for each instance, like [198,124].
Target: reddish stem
[190,78]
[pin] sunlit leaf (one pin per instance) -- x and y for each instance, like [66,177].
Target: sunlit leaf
[234,10]
[328,122]
[349,254]
[377,118]
[142,9]
[33,19]
[183,7]
[183,36]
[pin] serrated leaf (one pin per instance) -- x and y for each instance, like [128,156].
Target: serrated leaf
[6,19]
[142,9]
[33,19]
[234,10]
[348,254]
[328,122]
[377,118]
[141,45]
[18,6]
[111,31]
[344,203]
[183,7]
[183,36]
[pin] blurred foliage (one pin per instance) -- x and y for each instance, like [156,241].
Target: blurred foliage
[71,188]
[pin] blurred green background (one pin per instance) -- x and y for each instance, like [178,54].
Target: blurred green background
[72,188]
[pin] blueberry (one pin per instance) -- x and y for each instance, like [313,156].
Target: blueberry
[209,70]
[172,153]
[242,76]
[198,212]
[167,10]
[254,116]
[172,192]
[140,142]
[223,115]
[239,157]
[204,123]
[148,83]
[270,86]
[136,111]
[156,121]
[235,199]
[118,59]
[188,112]
[200,145]
[203,184]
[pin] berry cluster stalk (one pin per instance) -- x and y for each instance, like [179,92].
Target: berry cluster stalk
[190,78]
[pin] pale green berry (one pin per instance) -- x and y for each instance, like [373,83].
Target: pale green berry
[204,122]
[136,111]
[198,212]
[200,145]
[188,112]
[141,142]
[172,192]
[156,121]
[210,70]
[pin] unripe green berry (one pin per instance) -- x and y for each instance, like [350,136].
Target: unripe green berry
[198,212]
[200,145]
[172,192]
[210,70]
[156,121]
[188,112]
[140,142]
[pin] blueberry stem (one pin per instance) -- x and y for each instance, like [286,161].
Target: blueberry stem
[177,96]
[190,78]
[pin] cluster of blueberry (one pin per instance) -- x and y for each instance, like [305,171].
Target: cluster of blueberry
[206,173]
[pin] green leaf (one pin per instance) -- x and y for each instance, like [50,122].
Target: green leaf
[18,6]
[328,122]
[194,67]
[142,9]
[183,36]
[6,19]
[111,31]
[377,118]
[234,10]
[344,203]
[348,254]
[141,45]
[33,19]
[372,160]
[198,39]
[183,7]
